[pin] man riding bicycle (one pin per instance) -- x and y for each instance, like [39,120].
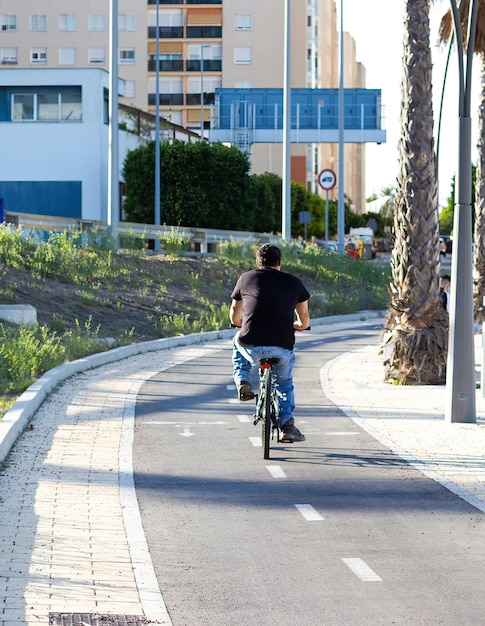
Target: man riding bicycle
[264,304]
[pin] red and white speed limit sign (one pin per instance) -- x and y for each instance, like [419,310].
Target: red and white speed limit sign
[327,179]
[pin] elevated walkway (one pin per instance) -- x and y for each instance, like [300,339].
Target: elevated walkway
[246,116]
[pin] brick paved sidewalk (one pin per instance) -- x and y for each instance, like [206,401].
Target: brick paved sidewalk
[64,547]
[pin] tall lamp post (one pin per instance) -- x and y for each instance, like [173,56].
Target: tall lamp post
[113,208]
[202,89]
[286,199]
[341,163]
[460,378]
[157,129]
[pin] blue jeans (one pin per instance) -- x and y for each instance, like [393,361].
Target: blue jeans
[243,357]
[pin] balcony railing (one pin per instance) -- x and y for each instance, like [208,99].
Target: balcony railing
[194,98]
[166,99]
[166,32]
[210,65]
[177,65]
[191,65]
[201,32]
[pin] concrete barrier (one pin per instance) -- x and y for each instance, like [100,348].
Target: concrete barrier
[18,314]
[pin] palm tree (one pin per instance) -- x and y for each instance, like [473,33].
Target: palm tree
[445,34]
[416,342]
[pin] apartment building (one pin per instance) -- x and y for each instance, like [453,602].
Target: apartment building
[200,46]
[240,44]
[67,34]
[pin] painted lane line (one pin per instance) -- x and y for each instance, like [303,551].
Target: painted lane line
[148,589]
[257,442]
[362,570]
[276,471]
[244,418]
[317,343]
[309,513]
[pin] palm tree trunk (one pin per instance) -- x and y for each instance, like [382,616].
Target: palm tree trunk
[479,232]
[416,342]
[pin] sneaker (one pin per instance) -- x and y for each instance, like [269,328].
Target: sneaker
[291,434]
[244,390]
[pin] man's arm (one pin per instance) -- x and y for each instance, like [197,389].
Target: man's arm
[302,316]
[236,312]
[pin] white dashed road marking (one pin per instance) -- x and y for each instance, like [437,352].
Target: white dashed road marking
[244,418]
[276,471]
[256,441]
[362,570]
[309,513]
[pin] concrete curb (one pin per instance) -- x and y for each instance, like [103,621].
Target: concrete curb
[17,418]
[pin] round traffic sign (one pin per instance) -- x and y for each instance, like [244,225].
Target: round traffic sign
[327,179]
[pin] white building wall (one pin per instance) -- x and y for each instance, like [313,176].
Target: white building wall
[63,151]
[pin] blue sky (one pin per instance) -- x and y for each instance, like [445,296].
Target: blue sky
[377,27]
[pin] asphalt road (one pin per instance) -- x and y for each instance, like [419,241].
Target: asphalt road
[335,531]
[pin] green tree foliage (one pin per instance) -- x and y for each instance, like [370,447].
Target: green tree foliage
[268,190]
[209,186]
[200,185]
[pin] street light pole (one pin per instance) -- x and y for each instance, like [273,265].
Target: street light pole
[113,208]
[286,199]
[157,129]
[460,377]
[341,163]
[202,89]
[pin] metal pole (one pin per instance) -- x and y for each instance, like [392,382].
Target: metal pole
[286,208]
[113,209]
[157,130]
[326,216]
[202,92]
[341,206]
[460,377]
[202,89]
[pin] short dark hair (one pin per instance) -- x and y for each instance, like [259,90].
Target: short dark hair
[268,256]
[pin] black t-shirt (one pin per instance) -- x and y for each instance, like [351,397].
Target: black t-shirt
[269,299]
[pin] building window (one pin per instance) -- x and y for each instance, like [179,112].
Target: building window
[97,21]
[96,56]
[38,56]
[126,55]
[244,21]
[242,56]
[130,89]
[48,106]
[23,107]
[9,56]
[167,17]
[67,56]
[9,22]
[38,22]
[67,21]
[126,21]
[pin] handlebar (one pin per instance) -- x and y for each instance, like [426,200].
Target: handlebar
[234,326]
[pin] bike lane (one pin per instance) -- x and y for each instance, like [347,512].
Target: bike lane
[336,530]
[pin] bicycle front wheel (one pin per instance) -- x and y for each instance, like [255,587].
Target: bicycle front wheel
[267,411]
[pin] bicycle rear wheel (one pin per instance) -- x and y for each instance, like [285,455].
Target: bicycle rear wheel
[267,411]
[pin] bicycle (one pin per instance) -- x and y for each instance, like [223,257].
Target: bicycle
[267,409]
